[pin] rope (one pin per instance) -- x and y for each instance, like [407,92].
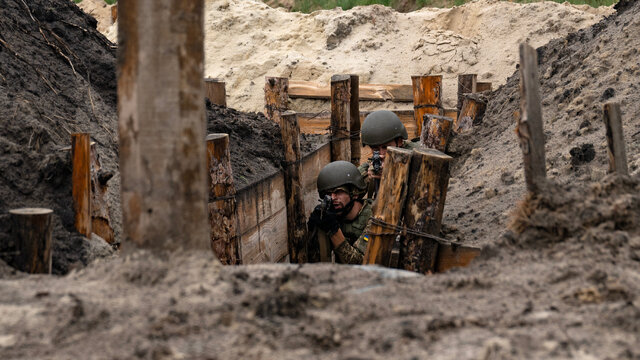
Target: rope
[425,106]
[218,198]
[354,134]
[402,230]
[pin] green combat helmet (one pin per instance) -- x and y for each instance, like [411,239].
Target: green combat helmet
[338,174]
[382,126]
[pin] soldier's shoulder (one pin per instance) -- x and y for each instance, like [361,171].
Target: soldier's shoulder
[411,145]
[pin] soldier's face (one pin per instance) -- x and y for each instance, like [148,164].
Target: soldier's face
[340,199]
[383,148]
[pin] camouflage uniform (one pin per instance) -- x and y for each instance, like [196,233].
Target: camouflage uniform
[364,168]
[352,250]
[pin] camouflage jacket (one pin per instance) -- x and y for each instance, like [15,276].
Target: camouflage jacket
[364,168]
[351,251]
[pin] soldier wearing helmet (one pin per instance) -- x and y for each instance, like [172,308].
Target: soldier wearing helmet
[340,223]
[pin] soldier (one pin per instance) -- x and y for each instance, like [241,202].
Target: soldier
[340,221]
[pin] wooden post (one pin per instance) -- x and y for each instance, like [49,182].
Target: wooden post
[340,118]
[427,92]
[81,182]
[466,85]
[222,200]
[389,206]
[100,217]
[529,126]
[296,219]
[161,124]
[483,86]
[473,107]
[435,132]
[114,13]
[428,182]
[275,97]
[354,111]
[615,139]
[31,229]
[216,92]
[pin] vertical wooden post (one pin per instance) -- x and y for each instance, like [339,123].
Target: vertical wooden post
[615,139]
[216,92]
[389,206]
[473,107]
[483,86]
[427,92]
[435,132]
[529,126]
[161,124]
[100,217]
[340,118]
[354,111]
[466,85]
[276,97]
[296,219]
[31,229]
[81,182]
[428,182]
[222,200]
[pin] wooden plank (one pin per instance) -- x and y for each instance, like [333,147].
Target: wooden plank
[368,92]
[454,255]
[247,203]
[249,245]
[273,236]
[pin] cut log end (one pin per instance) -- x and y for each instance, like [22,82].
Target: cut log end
[30,211]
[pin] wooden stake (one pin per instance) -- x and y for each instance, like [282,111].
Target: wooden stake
[427,92]
[466,85]
[483,86]
[161,124]
[222,200]
[435,132]
[529,126]
[428,182]
[31,229]
[100,217]
[296,219]
[615,139]
[389,206]
[340,118]
[216,92]
[276,97]
[114,13]
[473,107]
[354,111]
[81,182]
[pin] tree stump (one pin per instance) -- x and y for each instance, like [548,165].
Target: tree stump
[276,97]
[473,108]
[427,92]
[466,85]
[215,91]
[435,132]
[81,182]
[354,112]
[340,118]
[615,139]
[31,229]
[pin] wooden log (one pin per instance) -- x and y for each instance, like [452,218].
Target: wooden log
[483,86]
[367,92]
[452,255]
[428,182]
[427,92]
[388,207]
[466,85]
[114,13]
[473,108]
[100,217]
[161,124]
[615,139]
[529,126]
[276,90]
[81,182]
[340,118]
[222,200]
[354,112]
[294,193]
[215,91]
[436,131]
[31,229]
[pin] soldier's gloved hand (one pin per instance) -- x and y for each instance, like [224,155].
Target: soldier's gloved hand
[329,223]
[315,217]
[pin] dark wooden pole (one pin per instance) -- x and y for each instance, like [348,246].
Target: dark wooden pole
[354,112]
[216,92]
[427,92]
[428,182]
[81,182]
[529,126]
[389,206]
[615,139]
[340,118]
[435,132]
[276,97]
[483,86]
[222,200]
[473,107]
[466,85]
[296,219]
[31,229]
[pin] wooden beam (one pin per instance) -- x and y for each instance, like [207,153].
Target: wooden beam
[615,139]
[427,92]
[296,219]
[340,118]
[367,92]
[276,98]
[31,229]
[466,85]
[81,182]
[215,91]
[473,108]
[222,200]
[161,124]
[529,126]
[483,86]
[388,207]
[435,132]
[354,112]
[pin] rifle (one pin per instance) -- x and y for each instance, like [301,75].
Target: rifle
[376,163]
[323,240]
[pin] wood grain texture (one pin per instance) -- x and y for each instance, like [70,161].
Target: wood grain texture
[367,92]
[276,97]
[31,230]
[466,84]
[473,107]
[615,139]
[436,131]
[81,180]
[340,118]
[427,93]
[215,90]
[354,113]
